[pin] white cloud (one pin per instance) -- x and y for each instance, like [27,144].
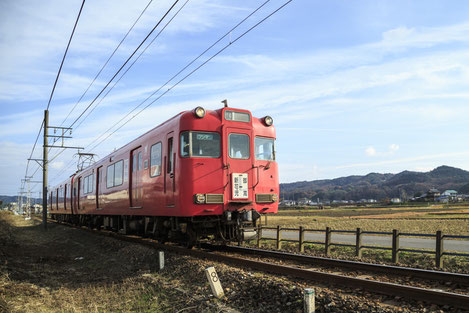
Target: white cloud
[370,151]
[393,147]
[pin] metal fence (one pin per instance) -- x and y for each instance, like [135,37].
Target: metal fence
[395,236]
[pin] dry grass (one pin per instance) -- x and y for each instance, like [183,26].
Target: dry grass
[450,220]
[40,272]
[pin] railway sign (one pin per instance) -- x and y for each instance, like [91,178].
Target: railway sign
[214,281]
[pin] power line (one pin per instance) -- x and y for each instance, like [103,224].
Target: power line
[125,72]
[65,54]
[105,66]
[192,72]
[132,64]
[181,70]
[107,61]
[55,83]
[133,53]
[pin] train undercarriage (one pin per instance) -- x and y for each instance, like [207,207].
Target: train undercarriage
[230,227]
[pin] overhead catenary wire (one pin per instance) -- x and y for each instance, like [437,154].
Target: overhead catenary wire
[118,70]
[107,61]
[181,70]
[196,69]
[131,65]
[55,84]
[125,63]
[135,60]
[193,71]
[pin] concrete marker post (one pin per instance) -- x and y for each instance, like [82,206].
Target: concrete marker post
[214,281]
[309,303]
[160,260]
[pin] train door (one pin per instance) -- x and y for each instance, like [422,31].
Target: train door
[136,188]
[170,163]
[239,155]
[99,177]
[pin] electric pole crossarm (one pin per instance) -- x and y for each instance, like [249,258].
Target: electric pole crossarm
[55,136]
[64,147]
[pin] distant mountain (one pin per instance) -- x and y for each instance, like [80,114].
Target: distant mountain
[8,199]
[379,186]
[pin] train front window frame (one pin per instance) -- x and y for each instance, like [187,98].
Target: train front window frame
[239,146]
[267,145]
[200,144]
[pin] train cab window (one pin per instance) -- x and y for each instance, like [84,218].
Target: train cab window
[238,146]
[200,144]
[264,149]
[155,160]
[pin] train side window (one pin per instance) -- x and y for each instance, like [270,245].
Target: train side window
[238,146]
[134,163]
[110,176]
[155,160]
[85,185]
[126,170]
[185,145]
[139,161]
[90,183]
[170,155]
[118,173]
[200,144]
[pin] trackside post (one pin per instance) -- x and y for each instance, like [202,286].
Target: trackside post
[214,281]
[439,249]
[358,243]
[327,243]
[309,304]
[395,246]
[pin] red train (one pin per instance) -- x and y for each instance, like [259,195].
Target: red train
[199,174]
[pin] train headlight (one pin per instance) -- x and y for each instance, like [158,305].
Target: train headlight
[274,197]
[268,120]
[199,112]
[199,198]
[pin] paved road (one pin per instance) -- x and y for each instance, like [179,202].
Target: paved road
[376,240]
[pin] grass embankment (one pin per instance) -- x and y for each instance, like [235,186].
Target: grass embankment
[68,270]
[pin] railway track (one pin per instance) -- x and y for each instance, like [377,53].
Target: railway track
[385,288]
[439,276]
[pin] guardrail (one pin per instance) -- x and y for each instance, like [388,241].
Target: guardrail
[395,248]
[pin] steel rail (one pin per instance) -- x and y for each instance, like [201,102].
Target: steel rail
[408,292]
[370,267]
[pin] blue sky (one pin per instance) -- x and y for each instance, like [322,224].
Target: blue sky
[353,86]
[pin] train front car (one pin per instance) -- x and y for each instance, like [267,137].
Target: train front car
[229,176]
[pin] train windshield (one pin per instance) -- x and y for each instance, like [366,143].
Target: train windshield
[264,149]
[200,144]
[239,146]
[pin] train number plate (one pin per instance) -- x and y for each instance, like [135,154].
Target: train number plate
[239,181]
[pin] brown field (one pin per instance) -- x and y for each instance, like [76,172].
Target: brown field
[450,220]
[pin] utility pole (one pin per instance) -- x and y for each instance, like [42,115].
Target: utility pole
[45,158]
[44,169]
